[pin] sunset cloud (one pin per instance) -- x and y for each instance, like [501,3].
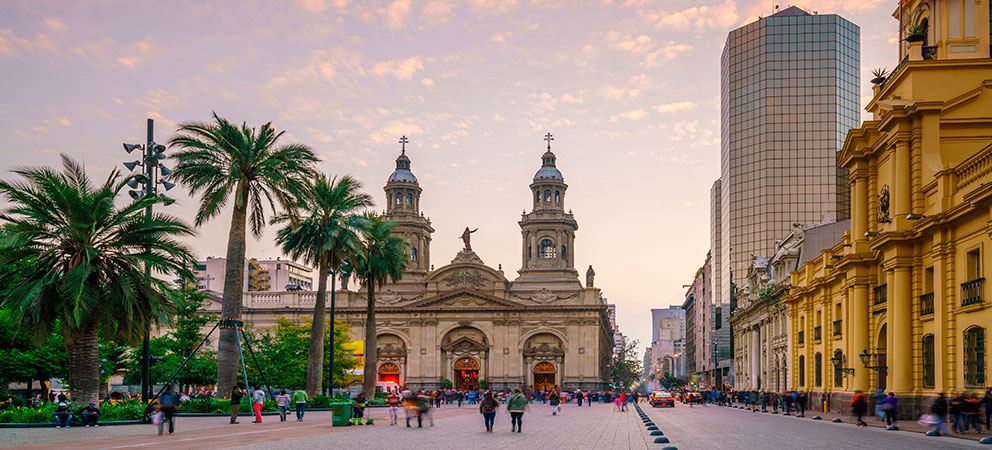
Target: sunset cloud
[675,107]
[400,69]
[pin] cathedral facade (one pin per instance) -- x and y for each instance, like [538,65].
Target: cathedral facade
[466,322]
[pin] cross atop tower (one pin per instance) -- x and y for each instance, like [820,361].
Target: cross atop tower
[404,141]
[548,137]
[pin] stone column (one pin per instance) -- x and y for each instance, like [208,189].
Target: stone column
[755,356]
[900,354]
[859,206]
[858,335]
[903,181]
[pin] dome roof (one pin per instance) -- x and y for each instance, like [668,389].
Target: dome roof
[402,173]
[403,176]
[548,171]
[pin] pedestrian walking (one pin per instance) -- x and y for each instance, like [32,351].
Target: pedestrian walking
[554,399]
[236,395]
[859,407]
[393,402]
[971,410]
[258,401]
[488,407]
[282,402]
[987,407]
[939,411]
[877,398]
[517,406]
[168,401]
[954,406]
[803,401]
[300,398]
[889,408]
[358,410]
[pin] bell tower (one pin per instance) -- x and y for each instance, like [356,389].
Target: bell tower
[403,208]
[548,231]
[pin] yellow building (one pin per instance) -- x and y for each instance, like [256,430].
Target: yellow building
[901,301]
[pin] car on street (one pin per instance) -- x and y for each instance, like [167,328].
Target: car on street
[662,399]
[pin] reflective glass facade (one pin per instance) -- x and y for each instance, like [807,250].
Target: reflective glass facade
[789,93]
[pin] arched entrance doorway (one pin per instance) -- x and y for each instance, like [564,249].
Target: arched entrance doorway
[389,373]
[544,376]
[466,374]
[880,347]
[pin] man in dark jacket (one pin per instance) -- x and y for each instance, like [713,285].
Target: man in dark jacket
[939,411]
[91,414]
[236,396]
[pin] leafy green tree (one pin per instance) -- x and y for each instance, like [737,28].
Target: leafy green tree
[282,354]
[25,360]
[219,160]
[626,368]
[88,255]
[169,351]
[382,257]
[322,230]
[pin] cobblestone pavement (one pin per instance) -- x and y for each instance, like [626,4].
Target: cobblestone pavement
[586,428]
[710,427]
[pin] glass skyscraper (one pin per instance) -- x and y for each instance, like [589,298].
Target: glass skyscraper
[789,94]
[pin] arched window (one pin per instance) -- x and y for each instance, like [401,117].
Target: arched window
[974,357]
[399,199]
[547,195]
[547,249]
[838,373]
[818,369]
[802,370]
[530,252]
[557,197]
[537,196]
[413,254]
[564,252]
[929,381]
[409,199]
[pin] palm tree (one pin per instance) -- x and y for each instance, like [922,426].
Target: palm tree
[322,230]
[88,255]
[220,159]
[382,256]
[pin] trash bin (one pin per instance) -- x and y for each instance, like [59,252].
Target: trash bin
[341,413]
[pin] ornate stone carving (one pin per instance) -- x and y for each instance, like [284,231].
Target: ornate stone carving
[544,350]
[883,205]
[389,352]
[466,279]
[545,296]
[467,257]
[391,297]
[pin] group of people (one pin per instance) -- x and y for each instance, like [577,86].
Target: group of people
[966,411]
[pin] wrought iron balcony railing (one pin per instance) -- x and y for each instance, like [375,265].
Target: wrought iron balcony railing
[926,304]
[971,292]
[881,294]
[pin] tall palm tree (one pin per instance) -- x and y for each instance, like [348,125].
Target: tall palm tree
[382,257]
[88,263]
[322,230]
[220,159]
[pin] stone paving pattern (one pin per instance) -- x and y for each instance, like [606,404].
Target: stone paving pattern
[598,427]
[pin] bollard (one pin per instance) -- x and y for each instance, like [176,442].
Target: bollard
[652,428]
[656,433]
[661,440]
[669,448]
[817,418]
[933,433]
[987,440]
[837,420]
[892,428]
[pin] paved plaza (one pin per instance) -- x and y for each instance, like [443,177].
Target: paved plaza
[598,427]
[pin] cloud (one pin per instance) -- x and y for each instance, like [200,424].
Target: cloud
[161,100]
[636,114]
[494,7]
[633,44]
[697,18]
[568,98]
[675,107]
[498,38]
[396,13]
[436,12]
[427,82]
[53,23]
[129,62]
[618,93]
[401,69]
[319,6]
[665,53]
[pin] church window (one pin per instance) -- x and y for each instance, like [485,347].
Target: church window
[413,254]
[399,199]
[530,252]
[928,362]
[802,370]
[547,195]
[409,199]
[547,249]
[974,356]
[564,252]
[818,369]
[557,197]
[537,196]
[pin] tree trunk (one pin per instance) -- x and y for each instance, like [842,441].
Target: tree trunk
[315,360]
[234,279]
[370,344]
[30,391]
[330,338]
[84,366]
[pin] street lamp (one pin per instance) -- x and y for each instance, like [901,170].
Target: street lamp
[839,361]
[145,184]
[868,358]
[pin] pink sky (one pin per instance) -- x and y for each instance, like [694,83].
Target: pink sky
[630,89]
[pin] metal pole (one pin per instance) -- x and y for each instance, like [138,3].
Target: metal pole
[330,339]
[241,356]
[257,365]
[146,363]
[173,376]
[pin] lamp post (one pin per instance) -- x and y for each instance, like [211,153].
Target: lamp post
[142,185]
[839,365]
[867,359]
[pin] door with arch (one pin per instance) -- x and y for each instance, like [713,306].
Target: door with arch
[389,373]
[545,376]
[880,347]
[466,374]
